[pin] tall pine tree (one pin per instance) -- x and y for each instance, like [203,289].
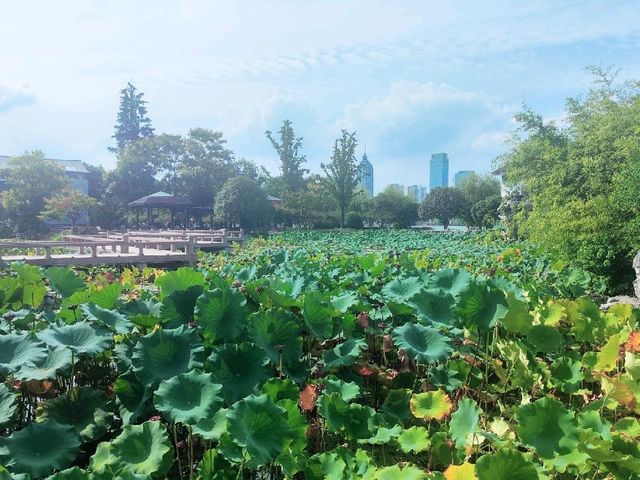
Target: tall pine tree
[133,122]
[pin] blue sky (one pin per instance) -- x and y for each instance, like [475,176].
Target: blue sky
[412,77]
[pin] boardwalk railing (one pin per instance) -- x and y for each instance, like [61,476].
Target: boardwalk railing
[144,247]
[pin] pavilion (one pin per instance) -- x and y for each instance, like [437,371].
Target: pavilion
[161,200]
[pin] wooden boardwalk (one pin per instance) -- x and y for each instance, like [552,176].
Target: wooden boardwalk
[130,248]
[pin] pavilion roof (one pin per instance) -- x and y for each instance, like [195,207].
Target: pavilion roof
[161,200]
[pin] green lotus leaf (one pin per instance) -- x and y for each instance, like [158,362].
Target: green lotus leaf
[221,315]
[143,449]
[505,465]
[545,339]
[8,405]
[277,332]
[214,466]
[342,303]
[397,403]
[397,472]
[113,320]
[40,448]
[317,315]
[281,389]
[31,284]
[178,307]
[166,353]
[383,435]
[80,338]
[64,280]
[73,473]
[144,313]
[402,289]
[47,368]
[179,280]
[566,374]
[414,439]
[607,358]
[586,320]
[213,427]
[240,369]
[132,397]
[430,405]
[128,475]
[518,319]
[344,354]
[188,397]
[453,281]
[355,421]
[464,421]
[547,426]
[107,296]
[433,305]
[85,409]
[444,452]
[423,344]
[17,351]
[480,308]
[292,458]
[347,390]
[325,466]
[259,426]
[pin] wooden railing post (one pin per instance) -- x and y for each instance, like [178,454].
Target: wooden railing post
[190,247]
[47,252]
[124,247]
[94,250]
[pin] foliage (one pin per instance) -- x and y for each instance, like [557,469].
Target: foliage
[342,172]
[579,180]
[392,208]
[68,204]
[443,204]
[288,148]
[132,122]
[31,180]
[241,202]
[364,354]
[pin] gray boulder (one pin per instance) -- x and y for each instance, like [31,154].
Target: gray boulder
[636,267]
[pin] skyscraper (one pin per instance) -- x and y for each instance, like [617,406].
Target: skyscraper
[460,176]
[439,171]
[365,173]
[417,193]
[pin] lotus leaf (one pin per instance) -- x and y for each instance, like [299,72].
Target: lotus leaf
[547,426]
[433,305]
[342,303]
[17,351]
[401,290]
[423,344]
[143,449]
[347,390]
[281,389]
[111,319]
[344,354]
[277,332]
[518,319]
[240,369]
[395,472]
[480,307]
[466,471]
[397,403]
[178,307]
[49,367]
[505,465]
[179,280]
[132,397]
[545,339]
[566,374]
[213,427]
[317,315]
[221,315]
[107,296]
[453,281]
[80,338]
[8,400]
[64,281]
[85,409]
[73,473]
[166,353]
[259,426]
[464,421]
[40,448]
[188,397]
[431,405]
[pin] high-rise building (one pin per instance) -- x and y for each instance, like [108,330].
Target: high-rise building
[439,171]
[365,173]
[417,192]
[460,176]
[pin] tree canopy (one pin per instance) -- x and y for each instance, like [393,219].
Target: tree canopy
[242,202]
[580,182]
[70,204]
[342,172]
[443,204]
[133,122]
[288,147]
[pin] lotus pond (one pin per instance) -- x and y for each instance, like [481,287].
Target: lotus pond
[364,355]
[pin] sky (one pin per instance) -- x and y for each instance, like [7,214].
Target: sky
[412,78]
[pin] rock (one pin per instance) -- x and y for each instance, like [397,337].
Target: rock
[636,267]
[624,299]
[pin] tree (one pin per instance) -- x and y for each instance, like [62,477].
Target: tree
[342,172]
[242,202]
[31,179]
[132,122]
[69,204]
[443,204]
[393,208]
[476,189]
[288,148]
[580,182]
[484,213]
